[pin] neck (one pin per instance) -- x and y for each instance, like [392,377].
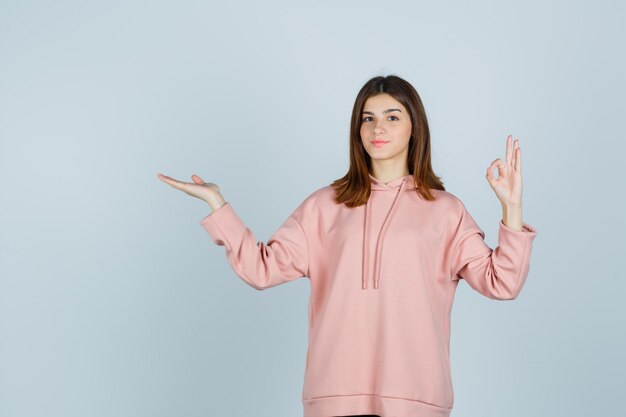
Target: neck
[388,175]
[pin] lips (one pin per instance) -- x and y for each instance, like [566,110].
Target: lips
[379,142]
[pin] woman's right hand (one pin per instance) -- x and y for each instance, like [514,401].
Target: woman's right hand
[206,191]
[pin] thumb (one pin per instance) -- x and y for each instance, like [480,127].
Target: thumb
[197,179]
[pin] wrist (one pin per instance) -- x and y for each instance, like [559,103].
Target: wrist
[511,207]
[512,215]
[216,201]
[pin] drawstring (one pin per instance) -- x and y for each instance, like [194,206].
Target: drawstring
[365,264]
[381,237]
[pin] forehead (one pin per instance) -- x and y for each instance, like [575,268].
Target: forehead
[382,102]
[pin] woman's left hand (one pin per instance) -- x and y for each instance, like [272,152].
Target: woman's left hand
[508,185]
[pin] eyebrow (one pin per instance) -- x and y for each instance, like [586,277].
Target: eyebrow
[384,111]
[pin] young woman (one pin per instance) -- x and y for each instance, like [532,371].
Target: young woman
[384,248]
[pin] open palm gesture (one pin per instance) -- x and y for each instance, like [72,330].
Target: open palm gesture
[508,185]
[198,188]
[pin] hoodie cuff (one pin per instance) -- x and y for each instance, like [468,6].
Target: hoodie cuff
[526,228]
[222,222]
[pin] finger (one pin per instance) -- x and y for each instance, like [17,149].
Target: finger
[165,178]
[518,160]
[490,178]
[174,183]
[197,179]
[509,150]
[501,167]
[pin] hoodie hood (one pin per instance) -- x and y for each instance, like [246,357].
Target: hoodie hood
[397,186]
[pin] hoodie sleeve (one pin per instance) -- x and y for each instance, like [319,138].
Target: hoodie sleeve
[261,265]
[496,273]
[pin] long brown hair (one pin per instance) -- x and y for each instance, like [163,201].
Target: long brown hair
[353,189]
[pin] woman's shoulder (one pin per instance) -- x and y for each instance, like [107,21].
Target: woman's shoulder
[447,205]
[315,202]
[446,198]
[321,197]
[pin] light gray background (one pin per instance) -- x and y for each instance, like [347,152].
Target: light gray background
[115,302]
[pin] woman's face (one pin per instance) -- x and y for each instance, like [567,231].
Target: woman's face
[385,119]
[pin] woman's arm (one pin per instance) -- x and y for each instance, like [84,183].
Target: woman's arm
[284,258]
[497,273]
[261,265]
[512,216]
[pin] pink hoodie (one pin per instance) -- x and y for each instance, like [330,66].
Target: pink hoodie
[383,278]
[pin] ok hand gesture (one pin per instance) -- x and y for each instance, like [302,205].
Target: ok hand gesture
[508,185]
